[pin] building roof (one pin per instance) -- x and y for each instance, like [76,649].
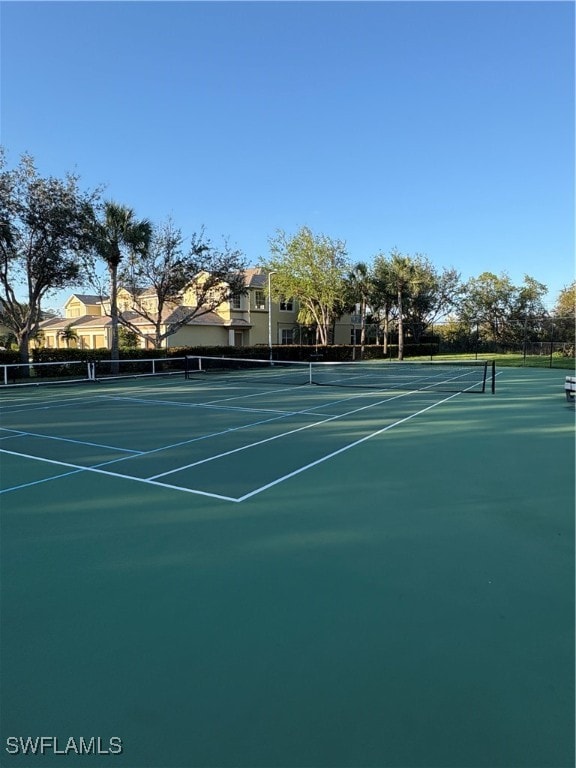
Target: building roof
[61,323]
[255,277]
[87,298]
[169,316]
[208,318]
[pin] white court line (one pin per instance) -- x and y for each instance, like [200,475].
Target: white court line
[8,411]
[153,480]
[79,468]
[310,426]
[343,449]
[148,401]
[226,431]
[282,434]
[18,433]
[347,447]
[23,433]
[284,414]
[39,482]
[136,454]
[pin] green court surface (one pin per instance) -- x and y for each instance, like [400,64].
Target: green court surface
[288,577]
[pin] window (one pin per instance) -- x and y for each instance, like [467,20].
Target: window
[236,302]
[287,305]
[259,300]
[287,336]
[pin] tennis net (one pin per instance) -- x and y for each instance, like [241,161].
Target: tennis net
[440,376]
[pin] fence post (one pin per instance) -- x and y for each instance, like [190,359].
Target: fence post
[477,338]
[525,344]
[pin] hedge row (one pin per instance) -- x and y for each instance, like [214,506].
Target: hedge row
[261,351]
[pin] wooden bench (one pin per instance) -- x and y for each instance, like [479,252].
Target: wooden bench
[570,387]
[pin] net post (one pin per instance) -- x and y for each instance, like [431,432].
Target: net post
[493,367]
[5,375]
[189,361]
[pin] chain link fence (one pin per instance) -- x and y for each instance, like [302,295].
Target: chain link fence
[536,341]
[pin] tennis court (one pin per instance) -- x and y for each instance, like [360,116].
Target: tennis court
[269,566]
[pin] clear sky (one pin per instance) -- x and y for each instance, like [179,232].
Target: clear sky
[442,128]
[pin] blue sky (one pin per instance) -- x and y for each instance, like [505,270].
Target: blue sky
[442,128]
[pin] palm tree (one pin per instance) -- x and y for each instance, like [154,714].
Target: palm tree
[68,335]
[384,295]
[119,233]
[402,273]
[361,286]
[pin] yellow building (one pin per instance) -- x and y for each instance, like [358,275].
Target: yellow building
[243,321]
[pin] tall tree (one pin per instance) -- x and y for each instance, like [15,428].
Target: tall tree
[488,302]
[44,236]
[528,314]
[118,235]
[564,314]
[312,269]
[157,280]
[433,293]
[383,296]
[361,287]
[404,277]
[566,303]
[502,311]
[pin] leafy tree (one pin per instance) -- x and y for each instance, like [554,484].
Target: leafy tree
[7,341]
[44,236]
[502,311]
[413,290]
[488,303]
[361,287]
[312,269]
[158,278]
[127,339]
[564,314]
[528,314]
[118,235]
[433,293]
[383,295]
[404,277]
[566,303]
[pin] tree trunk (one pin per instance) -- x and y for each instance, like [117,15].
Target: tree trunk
[114,341]
[385,333]
[400,328]
[362,327]
[23,346]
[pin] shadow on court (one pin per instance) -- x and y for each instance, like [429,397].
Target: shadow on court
[407,603]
